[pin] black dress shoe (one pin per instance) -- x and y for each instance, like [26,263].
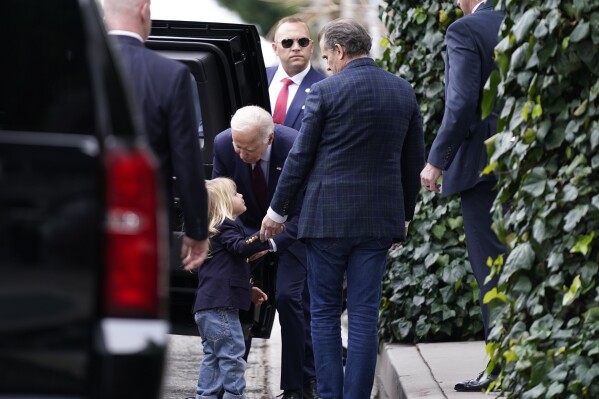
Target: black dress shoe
[310,391]
[290,395]
[476,385]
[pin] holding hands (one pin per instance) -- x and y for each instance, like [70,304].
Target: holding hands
[270,228]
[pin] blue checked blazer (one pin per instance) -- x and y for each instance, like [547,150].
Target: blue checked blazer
[359,155]
[295,112]
[459,148]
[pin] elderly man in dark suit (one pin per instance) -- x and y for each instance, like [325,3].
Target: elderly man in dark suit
[289,83]
[357,157]
[458,151]
[162,90]
[254,141]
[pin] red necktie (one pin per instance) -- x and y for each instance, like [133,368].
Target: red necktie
[259,185]
[281,105]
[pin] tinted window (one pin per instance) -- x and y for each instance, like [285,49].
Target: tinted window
[44,83]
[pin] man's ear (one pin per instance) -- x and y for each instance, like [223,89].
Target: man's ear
[340,50]
[271,137]
[145,11]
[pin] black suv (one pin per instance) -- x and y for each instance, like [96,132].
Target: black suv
[84,304]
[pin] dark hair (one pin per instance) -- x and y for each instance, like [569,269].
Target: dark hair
[349,34]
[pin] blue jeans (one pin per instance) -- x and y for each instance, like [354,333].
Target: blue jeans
[223,366]
[363,261]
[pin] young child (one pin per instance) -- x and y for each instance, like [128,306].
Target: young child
[224,288]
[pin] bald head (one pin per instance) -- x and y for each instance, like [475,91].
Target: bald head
[129,15]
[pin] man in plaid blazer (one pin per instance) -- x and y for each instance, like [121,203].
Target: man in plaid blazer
[358,158]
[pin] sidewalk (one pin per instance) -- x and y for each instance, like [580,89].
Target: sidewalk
[429,370]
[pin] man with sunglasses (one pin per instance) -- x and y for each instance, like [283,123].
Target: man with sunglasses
[294,48]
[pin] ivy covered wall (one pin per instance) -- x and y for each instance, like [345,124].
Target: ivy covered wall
[547,160]
[429,293]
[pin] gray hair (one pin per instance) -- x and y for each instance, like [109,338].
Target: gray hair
[250,117]
[349,34]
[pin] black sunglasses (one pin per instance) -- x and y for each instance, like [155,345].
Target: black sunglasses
[302,41]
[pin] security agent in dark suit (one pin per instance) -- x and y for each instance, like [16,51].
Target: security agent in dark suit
[254,137]
[357,158]
[294,48]
[163,91]
[458,151]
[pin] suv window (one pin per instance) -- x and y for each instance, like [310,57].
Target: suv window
[57,99]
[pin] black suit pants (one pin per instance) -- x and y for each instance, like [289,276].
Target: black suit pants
[481,241]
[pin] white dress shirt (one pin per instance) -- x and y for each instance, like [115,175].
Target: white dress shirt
[276,85]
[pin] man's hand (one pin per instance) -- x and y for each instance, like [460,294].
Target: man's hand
[429,176]
[193,252]
[270,228]
[258,296]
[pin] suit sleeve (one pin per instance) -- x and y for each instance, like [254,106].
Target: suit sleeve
[187,157]
[412,162]
[233,238]
[302,155]
[463,81]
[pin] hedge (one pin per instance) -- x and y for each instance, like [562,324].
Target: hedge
[429,292]
[546,157]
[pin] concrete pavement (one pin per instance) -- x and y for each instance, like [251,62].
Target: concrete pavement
[429,370]
[403,371]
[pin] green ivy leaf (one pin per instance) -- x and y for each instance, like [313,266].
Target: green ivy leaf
[525,23]
[581,109]
[572,292]
[555,389]
[580,32]
[538,230]
[521,257]
[574,216]
[535,182]
[438,231]
[489,94]
[583,245]
[537,392]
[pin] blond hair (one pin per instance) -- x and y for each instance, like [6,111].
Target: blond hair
[220,204]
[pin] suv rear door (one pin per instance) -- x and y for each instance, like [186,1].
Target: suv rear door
[227,65]
[81,290]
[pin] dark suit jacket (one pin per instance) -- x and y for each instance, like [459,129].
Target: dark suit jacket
[224,279]
[360,151]
[295,112]
[162,88]
[459,148]
[228,164]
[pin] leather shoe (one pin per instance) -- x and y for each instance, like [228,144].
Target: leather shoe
[310,391]
[478,384]
[290,395]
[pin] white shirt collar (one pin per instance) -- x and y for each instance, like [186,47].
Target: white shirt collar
[280,74]
[266,154]
[477,5]
[126,33]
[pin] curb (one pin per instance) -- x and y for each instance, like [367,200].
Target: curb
[403,373]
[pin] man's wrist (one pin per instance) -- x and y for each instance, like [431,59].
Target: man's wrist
[275,216]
